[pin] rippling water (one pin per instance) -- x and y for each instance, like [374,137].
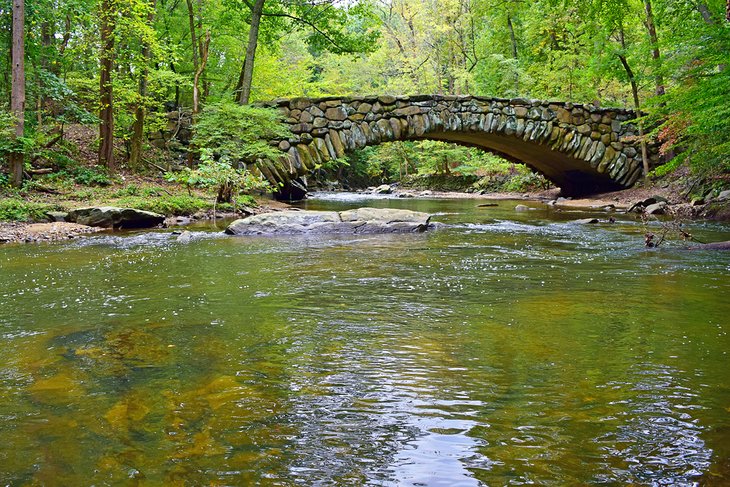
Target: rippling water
[506,348]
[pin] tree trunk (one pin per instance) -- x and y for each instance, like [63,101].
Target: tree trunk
[204,75]
[637,107]
[135,152]
[192,150]
[194,44]
[513,42]
[239,83]
[655,54]
[17,95]
[199,72]
[106,115]
[727,10]
[706,14]
[253,39]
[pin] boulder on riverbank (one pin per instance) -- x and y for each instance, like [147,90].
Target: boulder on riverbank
[113,217]
[359,221]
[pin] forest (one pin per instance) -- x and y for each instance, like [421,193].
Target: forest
[89,86]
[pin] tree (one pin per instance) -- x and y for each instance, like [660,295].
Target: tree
[135,152]
[257,10]
[656,54]
[17,96]
[106,113]
[328,24]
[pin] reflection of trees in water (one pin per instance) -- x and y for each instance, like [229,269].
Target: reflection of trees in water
[378,402]
[658,441]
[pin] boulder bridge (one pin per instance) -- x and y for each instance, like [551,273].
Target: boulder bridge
[580,148]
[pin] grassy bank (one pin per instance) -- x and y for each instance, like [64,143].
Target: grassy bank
[53,193]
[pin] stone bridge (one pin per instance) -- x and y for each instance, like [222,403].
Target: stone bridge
[580,148]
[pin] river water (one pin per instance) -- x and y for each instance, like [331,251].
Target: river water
[506,348]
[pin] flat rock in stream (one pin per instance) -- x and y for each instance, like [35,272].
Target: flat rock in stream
[113,217]
[713,246]
[359,221]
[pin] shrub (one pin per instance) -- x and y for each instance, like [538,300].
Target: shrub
[167,205]
[239,134]
[90,176]
[16,209]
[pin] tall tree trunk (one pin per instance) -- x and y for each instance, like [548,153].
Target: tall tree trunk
[655,53]
[177,87]
[637,107]
[192,149]
[106,115]
[199,72]
[194,45]
[727,10]
[253,39]
[513,42]
[135,151]
[17,94]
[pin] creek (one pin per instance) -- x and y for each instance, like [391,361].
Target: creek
[505,348]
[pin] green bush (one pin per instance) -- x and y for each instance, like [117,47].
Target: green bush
[16,209]
[90,176]
[167,205]
[239,134]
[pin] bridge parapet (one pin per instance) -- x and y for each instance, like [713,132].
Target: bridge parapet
[579,147]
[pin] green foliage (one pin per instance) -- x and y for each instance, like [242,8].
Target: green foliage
[17,209]
[547,49]
[56,89]
[90,176]
[167,204]
[696,115]
[237,133]
[509,177]
[219,173]
[394,161]
[87,176]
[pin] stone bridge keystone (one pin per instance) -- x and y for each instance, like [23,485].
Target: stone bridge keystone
[580,148]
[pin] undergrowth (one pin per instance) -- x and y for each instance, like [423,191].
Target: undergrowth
[16,209]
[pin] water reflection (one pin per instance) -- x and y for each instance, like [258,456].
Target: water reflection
[657,440]
[504,349]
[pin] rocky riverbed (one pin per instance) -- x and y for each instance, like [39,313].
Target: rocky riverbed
[18,232]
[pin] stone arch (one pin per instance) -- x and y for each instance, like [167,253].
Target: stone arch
[581,148]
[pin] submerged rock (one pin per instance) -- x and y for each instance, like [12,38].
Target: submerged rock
[361,220]
[113,217]
[714,246]
[586,221]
